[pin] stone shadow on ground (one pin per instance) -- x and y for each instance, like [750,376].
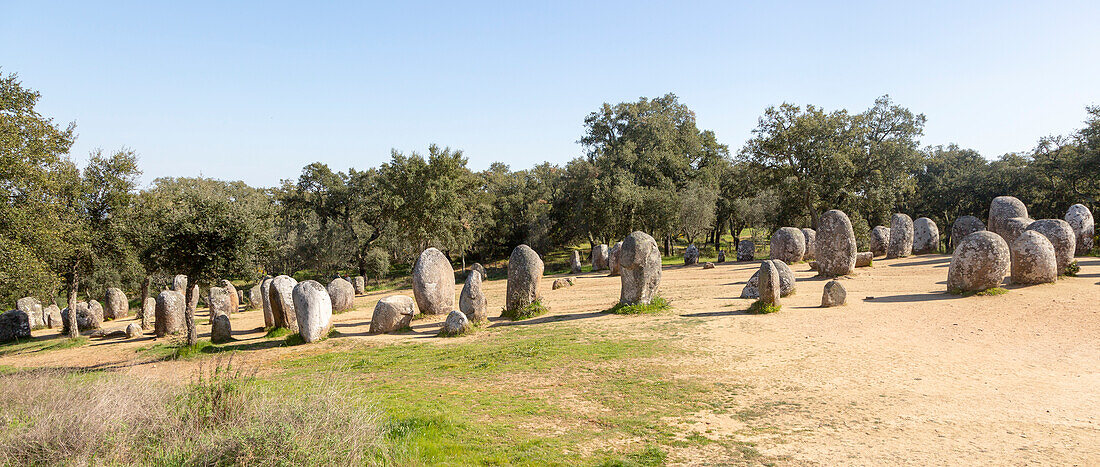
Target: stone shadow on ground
[913,297]
[934,261]
[549,318]
[716,314]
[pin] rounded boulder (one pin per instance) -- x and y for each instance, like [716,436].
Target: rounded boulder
[836,244]
[926,236]
[433,282]
[342,295]
[1033,259]
[788,245]
[901,236]
[963,226]
[1061,236]
[1080,219]
[392,313]
[313,310]
[981,261]
[1001,209]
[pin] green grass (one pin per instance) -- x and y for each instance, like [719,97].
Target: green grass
[532,310]
[760,308]
[276,333]
[656,305]
[177,351]
[1073,269]
[41,344]
[990,292]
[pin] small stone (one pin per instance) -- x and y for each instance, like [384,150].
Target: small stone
[560,284]
[281,298]
[133,330]
[864,259]
[708,265]
[786,281]
[834,294]
[221,331]
[393,313]
[575,262]
[360,284]
[721,256]
[14,325]
[456,324]
[169,313]
[116,304]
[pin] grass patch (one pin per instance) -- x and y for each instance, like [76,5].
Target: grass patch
[276,333]
[655,305]
[178,351]
[990,292]
[1073,269]
[41,344]
[532,310]
[760,308]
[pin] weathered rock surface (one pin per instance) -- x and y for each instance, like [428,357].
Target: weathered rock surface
[392,313]
[613,259]
[963,226]
[981,261]
[901,236]
[456,324]
[708,265]
[1061,236]
[471,301]
[560,283]
[222,300]
[864,259]
[342,295]
[880,240]
[1001,209]
[116,305]
[1080,219]
[524,277]
[481,270]
[1033,259]
[179,283]
[255,297]
[834,294]
[51,316]
[14,324]
[640,266]
[691,255]
[599,257]
[169,313]
[926,236]
[87,317]
[433,282]
[148,313]
[1013,227]
[788,245]
[221,331]
[33,308]
[575,262]
[786,281]
[313,308]
[769,283]
[133,330]
[281,298]
[746,250]
[811,244]
[836,244]
[265,301]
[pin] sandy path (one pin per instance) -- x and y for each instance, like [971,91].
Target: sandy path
[910,376]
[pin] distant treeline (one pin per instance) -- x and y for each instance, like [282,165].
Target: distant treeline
[646,166]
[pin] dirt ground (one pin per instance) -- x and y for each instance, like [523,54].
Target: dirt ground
[903,374]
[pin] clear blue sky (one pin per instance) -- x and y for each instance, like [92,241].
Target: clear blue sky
[255,91]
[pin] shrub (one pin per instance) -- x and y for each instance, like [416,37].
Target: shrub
[760,308]
[1073,269]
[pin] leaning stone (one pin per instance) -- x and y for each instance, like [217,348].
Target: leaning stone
[901,236]
[981,261]
[14,324]
[455,325]
[769,283]
[313,308]
[599,257]
[33,308]
[433,282]
[746,250]
[834,294]
[342,295]
[524,277]
[926,236]
[575,262]
[788,245]
[708,265]
[1061,236]
[691,255]
[133,330]
[640,265]
[281,297]
[836,244]
[1003,208]
[880,240]
[393,313]
[613,259]
[963,226]
[169,313]
[1033,259]
[811,243]
[864,259]
[786,281]
[471,301]
[560,284]
[1080,219]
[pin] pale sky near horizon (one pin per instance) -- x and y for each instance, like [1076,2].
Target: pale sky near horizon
[255,91]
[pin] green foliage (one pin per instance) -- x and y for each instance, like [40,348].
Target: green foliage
[376,264]
[276,333]
[532,310]
[760,308]
[990,292]
[656,305]
[1073,269]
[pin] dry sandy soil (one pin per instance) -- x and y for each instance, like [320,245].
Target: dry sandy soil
[904,374]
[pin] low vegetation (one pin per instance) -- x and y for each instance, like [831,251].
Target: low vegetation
[535,308]
[759,307]
[656,305]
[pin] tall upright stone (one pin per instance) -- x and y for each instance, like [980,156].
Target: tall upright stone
[746,250]
[116,306]
[148,313]
[524,277]
[313,310]
[341,294]
[926,236]
[265,300]
[179,283]
[221,330]
[880,240]
[471,301]
[480,269]
[1001,209]
[281,297]
[360,284]
[788,245]
[169,313]
[33,308]
[1080,220]
[433,282]
[1061,236]
[574,264]
[981,261]
[640,266]
[52,316]
[901,236]
[255,299]
[691,255]
[1033,259]
[963,226]
[836,244]
[599,257]
[811,243]
[769,284]
[613,259]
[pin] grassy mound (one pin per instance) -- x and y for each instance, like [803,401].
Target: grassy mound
[655,305]
[530,311]
[760,308]
[990,292]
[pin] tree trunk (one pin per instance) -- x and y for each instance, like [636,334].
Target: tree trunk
[74,285]
[189,317]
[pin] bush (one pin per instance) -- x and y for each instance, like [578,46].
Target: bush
[376,264]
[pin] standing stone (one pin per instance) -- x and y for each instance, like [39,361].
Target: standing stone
[1012,227]
[169,313]
[313,309]
[342,295]
[471,301]
[880,240]
[254,300]
[480,269]
[265,300]
[836,244]
[599,257]
[433,283]
[240,297]
[811,244]
[1061,236]
[222,300]
[1003,208]
[963,226]
[981,261]
[51,316]
[360,285]
[281,296]
[1080,219]
[746,250]
[456,324]
[834,294]
[392,313]
[691,255]
[1033,259]
[786,281]
[95,309]
[926,236]
[613,259]
[864,259]
[85,319]
[179,283]
[788,245]
[194,297]
[575,262]
[148,313]
[133,330]
[221,331]
[14,324]
[721,256]
[33,308]
[524,275]
[640,265]
[769,283]
[901,236]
